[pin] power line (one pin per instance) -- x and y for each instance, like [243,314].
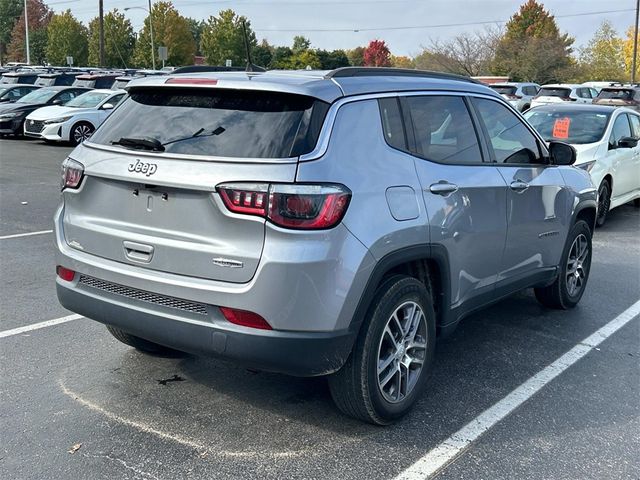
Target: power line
[416,27]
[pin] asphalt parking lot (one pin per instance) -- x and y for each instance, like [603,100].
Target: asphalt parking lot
[134,416]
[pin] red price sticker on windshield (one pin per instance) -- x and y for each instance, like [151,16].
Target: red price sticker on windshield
[561,128]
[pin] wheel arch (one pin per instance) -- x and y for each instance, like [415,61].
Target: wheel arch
[427,263]
[588,213]
[78,122]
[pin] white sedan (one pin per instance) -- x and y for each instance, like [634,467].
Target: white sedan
[606,140]
[76,120]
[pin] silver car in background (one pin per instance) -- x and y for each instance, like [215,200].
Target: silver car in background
[518,94]
[317,222]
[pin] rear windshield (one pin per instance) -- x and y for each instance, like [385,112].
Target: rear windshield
[554,92]
[505,90]
[119,84]
[46,82]
[616,93]
[569,126]
[224,123]
[79,82]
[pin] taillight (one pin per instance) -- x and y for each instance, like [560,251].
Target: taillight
[303,207]
[72,173]
[65,273]
[244,318]
[514,97]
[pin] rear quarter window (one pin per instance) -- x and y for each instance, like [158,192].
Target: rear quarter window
[218,122]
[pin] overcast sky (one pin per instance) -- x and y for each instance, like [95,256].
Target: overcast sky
[404,24]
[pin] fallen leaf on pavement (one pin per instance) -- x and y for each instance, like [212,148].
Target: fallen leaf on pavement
[75,448]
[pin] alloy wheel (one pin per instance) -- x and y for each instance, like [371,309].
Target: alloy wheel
[82,133]
[576,271]
[402,352]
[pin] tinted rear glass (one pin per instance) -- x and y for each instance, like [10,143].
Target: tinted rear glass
[572,127]
[79,82]
[554,92]
[616,93]
[224,123]
[505,90]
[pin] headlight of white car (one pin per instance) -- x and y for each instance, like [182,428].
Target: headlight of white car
[7,116]
[56,120]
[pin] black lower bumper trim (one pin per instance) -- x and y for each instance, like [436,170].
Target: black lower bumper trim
[291,353]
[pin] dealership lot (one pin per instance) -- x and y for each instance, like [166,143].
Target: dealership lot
[136,416]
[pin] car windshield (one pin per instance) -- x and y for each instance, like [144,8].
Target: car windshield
[87,100]
[42,95]
[554,92]
[575,126]
[224,123]
[504,89]
[616,93]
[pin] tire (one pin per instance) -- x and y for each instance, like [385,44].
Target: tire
[358,389]
[143,345]
[604,202]
[561,293]
[80,132]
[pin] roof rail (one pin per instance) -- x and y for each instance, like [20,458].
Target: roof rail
[344,72]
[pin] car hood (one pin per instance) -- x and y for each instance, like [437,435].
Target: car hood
[55,111]
[586,152]
[18,107]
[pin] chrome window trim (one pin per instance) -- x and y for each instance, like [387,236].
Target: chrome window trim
[327,128]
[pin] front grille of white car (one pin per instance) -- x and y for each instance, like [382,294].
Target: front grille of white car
[143,296]
[34,126]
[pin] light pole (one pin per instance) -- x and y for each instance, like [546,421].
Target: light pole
[26,31]
[153,46]
[635,45]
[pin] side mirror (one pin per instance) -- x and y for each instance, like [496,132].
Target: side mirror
[627,142]
[57,101]
[107,106]
[562,153]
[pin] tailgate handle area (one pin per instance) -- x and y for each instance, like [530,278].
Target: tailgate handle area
[138,252]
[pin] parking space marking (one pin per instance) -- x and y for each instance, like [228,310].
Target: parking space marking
[37,326]
[132,423]
[28,234]
[179,439]
[443,454]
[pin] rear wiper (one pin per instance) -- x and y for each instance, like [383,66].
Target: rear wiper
[143,143]
[217,131]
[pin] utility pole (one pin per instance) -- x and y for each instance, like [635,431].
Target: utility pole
[153,46]
[635,45]
[101,21]
[26,31]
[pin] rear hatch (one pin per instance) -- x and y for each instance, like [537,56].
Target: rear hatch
[153,201]
[508,92]
[553,95]
[616,96]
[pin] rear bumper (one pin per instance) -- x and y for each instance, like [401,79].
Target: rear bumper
[291,353]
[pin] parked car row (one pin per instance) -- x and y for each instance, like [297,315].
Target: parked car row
[524,95]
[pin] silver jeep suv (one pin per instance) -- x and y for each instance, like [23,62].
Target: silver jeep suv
[317,223]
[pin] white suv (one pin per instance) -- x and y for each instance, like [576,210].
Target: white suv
[564,92]
[519,95]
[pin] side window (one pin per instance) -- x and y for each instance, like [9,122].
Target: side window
[392,126]
[16,93]
[531,90]
[594,92]
[582,93]
[116,99]
[64,97]
[443,130]
[511,141]
[635,126]
[620,129]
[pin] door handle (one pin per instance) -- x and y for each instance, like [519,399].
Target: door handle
[443,188]
[518,186]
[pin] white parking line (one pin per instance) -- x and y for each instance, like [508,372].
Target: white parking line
[29,234]
[36,326]
[444,453]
